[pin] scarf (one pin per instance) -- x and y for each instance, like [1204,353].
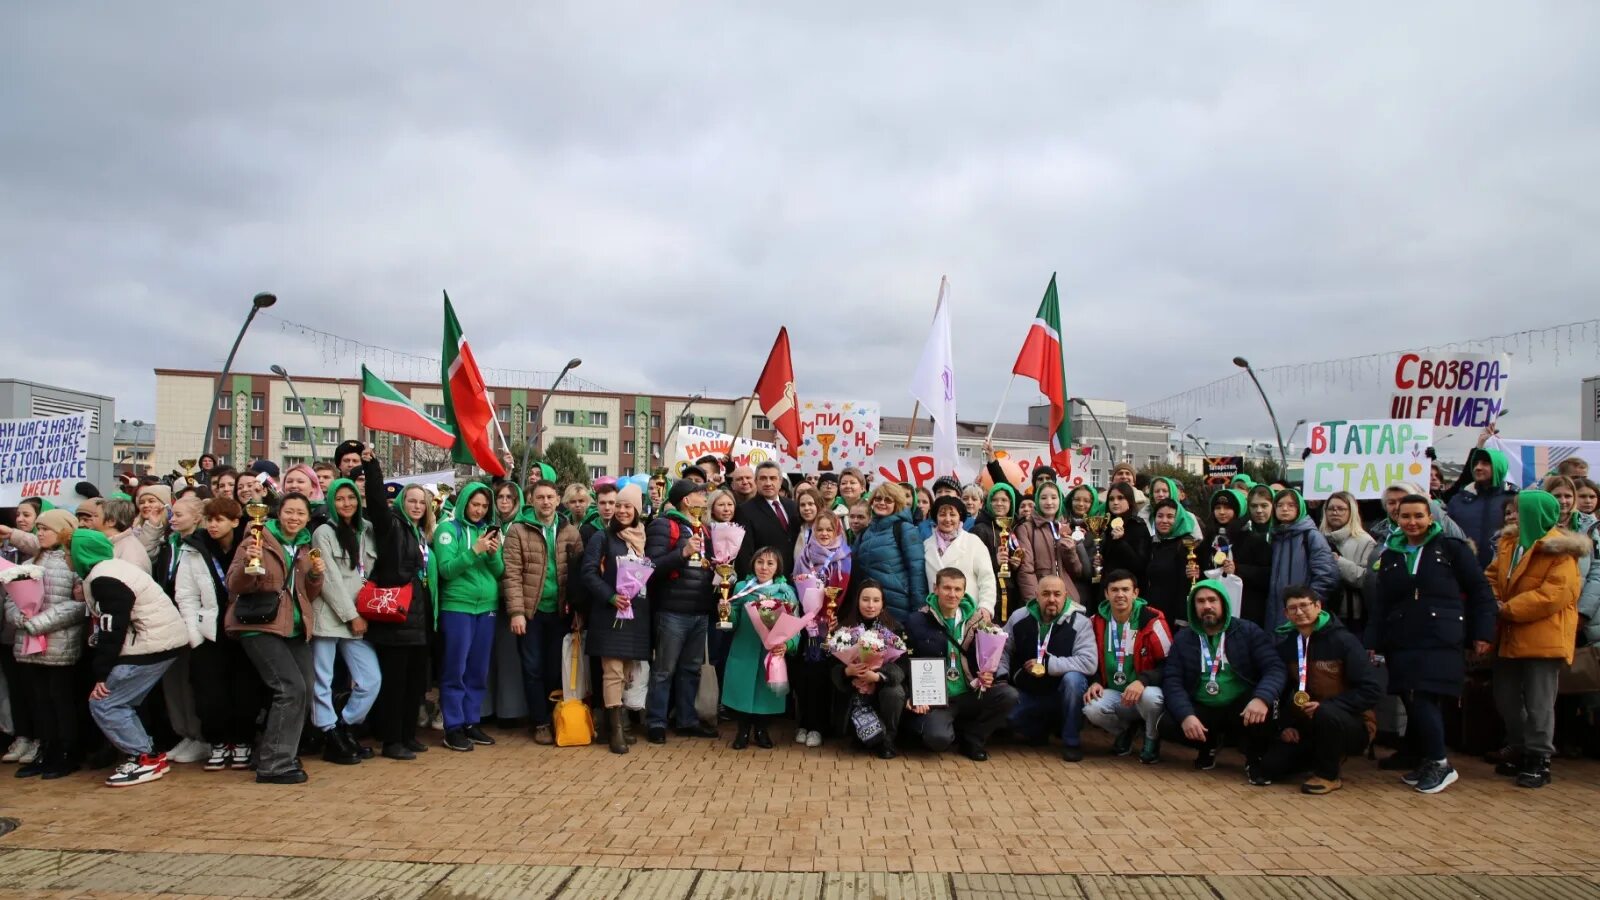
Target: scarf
[831,565]
[633,536]
[942,542]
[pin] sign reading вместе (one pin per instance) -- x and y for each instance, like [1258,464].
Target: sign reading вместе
[42,457]
[1366,456]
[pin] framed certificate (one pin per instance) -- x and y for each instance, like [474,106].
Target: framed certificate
[927,683]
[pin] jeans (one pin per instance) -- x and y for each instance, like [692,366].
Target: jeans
[1424,725]
[1330,736]
[1525,694]
[971,718]
[227,692]
[364,680]
[1035,713]
[680,651]
[117,713]
[1109,713]
[405,680]
[540,650]
[464,680]
[283,665]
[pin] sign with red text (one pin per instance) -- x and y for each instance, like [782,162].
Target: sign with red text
[1219,470]
[1454,390]
[837,434]
[917,468]
[692,442]
[1366,456]
[43,457]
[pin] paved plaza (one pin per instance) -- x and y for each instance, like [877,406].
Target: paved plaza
[696,819]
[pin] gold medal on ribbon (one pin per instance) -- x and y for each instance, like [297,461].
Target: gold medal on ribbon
[1301,698]
[1219,557]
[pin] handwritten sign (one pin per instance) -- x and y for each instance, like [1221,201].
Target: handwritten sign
[1366,456]
[837,434]
[42,457]
[692,442]
[1455,390]
[917,468]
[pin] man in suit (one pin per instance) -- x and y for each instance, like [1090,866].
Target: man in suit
[769,520]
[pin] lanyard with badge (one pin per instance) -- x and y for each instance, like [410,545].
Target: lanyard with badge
[1213,664]
[1121,640]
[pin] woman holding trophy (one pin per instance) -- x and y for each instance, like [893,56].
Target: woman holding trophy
[823,563]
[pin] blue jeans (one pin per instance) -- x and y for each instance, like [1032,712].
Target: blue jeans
[464,679]
[680,651]
[1034,713]
[365,678]
[117,713]
[540,650]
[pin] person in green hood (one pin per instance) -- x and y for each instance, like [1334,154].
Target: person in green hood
[1480,507]
[470,566]
[1164,488]
[508,503]
[945,628]
[1328,700]
[1220,681]
[1000,505]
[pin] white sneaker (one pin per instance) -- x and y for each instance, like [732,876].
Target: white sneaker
[813,739]
[800,736]
[221,755]
[241,757]
[138,770]
[14,752]
[189,751]
[30,754]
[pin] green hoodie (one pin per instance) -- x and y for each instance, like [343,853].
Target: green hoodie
[1498,467]
[89,549]
[968,612]
[522,507]
[1184,525]
[333,515]
[470,583]
[1537,513]
[1230,686]
[1109,664]
[291,553]
[1323,618]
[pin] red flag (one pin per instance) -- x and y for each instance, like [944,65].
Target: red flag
[1042,360]
[466,400]
[775,390]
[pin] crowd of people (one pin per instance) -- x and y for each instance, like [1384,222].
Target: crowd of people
[242,620]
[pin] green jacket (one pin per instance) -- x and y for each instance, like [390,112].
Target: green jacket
[469,582]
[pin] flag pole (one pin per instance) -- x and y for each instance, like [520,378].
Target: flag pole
[1003,396]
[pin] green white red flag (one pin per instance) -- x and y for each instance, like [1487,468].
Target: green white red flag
[384,408]
[1043,360]
[467,410]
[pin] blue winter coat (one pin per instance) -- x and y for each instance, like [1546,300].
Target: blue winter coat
[894,562]
[1300,555]
[1251,655]
[1424,623]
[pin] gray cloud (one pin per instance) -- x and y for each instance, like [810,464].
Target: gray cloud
[658,190]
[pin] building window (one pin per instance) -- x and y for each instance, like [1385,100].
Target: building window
[293,460]
[291,405]
[627,471]
[599,418]
[330,436]
[597,471]
[533,414]
[760,423]
[717,424]
[1153,460]
[566,417]
[294,434]
[224,402]
[655,449]
[686,420]
[627,420]
[436,410]
[258,402]
[597,445]
[258,433]
[222,459]
[224,432]
[655,420]
[503,413]
[333,407]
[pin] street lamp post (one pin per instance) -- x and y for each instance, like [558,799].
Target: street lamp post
[258,303]
[1283,455]
[678,420]
[538,429]
[311,436]
[1111,459]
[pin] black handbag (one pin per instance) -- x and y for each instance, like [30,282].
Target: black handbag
[257,607]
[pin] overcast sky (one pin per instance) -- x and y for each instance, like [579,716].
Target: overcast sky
[657,187]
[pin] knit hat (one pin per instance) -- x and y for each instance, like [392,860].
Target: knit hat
[58,520]
[946,482]
[266,466]
[88,549]
[632,496]
[86,490]
[162,492]
[828,478]
[681,489]
[955,503]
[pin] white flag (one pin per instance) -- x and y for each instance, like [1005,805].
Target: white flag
[934,384]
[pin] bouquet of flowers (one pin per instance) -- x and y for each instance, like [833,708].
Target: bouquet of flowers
[871,647]
[775,624]
[25,586]
[633,572]
[726,539]
[991,646]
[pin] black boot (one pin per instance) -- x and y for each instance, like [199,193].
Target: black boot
[741,738]
[351,743]
[41,762]
[762,739]
[62,763]
[1512,763]
[627,729]
[336,751]
[619,737]
[1537,772]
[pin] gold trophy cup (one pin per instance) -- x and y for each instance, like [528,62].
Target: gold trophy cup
[694,516]
[830,609]
[1097,527]
[257,511]
[1189,544]
[188,466]
[725,572]
[825,441]
[1003,555]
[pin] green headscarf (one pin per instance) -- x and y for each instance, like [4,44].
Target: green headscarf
[1097,507]
[1010,491]
[1537,513]
[89,549]
[333,490]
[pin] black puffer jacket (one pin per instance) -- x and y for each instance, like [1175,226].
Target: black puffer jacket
[678,586]
[400,561]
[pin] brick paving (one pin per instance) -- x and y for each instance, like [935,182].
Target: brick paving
[522,820]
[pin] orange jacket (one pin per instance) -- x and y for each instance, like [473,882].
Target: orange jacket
[1539,595]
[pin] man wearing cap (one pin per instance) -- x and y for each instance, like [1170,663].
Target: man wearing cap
[680,591]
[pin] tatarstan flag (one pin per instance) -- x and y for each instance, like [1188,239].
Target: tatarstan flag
[384,408]
[1043,360]
[467,410]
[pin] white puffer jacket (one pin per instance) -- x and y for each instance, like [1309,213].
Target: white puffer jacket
[967,553]
[196,596]
[154,625]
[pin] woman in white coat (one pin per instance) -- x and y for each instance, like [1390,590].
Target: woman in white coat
[1353,550]
[952,548]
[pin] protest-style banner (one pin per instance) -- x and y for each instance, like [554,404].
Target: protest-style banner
[1219,470]
[837,434]
[1366,456]
[917,468]
[691,442]
[1528,462]
[1455,390]
[43,457]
